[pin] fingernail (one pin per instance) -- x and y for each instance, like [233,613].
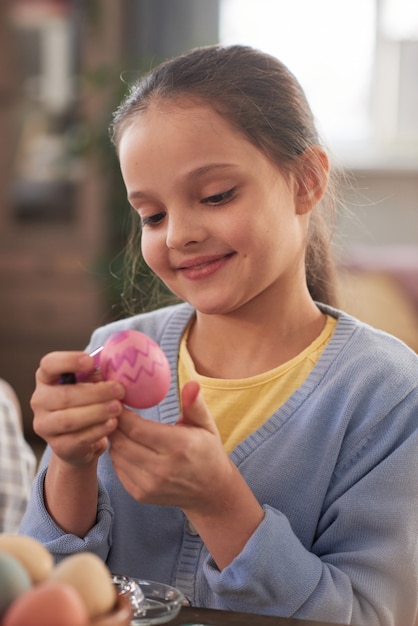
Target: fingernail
[118,389]
[85,362]
[113,407]
[110,424]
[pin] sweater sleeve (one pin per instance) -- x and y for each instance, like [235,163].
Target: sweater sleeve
[362,565]
[38,523]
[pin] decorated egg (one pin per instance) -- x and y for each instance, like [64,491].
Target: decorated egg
[34,557]
[135,360]
[48,604]
[90,577]
[14,580]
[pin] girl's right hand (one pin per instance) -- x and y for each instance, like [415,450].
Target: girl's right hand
[75,420]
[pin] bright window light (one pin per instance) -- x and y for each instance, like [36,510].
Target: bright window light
[400,19]
[329,46]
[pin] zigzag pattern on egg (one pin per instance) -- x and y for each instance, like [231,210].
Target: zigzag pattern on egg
[131,356]
[139,364]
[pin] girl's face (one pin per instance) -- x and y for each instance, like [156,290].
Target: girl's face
[221,226]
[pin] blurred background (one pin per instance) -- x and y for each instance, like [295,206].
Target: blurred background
[64,66]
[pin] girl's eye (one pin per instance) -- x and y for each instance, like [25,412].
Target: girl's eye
[219,198]
[153,220]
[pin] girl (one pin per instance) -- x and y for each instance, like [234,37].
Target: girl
[280,473]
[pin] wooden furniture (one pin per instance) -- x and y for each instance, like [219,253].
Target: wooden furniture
[189,616]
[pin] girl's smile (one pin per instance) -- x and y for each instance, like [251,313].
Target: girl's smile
[202,267]
[221,225]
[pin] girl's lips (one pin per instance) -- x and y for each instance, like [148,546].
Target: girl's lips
[202,267]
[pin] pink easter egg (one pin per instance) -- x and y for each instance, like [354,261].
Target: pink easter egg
[135,360]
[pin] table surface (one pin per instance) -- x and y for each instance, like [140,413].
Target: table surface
[190,616]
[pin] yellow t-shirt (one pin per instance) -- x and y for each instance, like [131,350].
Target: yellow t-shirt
[240,406]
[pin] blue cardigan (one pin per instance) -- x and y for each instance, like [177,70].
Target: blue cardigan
[335,469]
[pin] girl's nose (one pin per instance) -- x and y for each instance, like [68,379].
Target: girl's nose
[183,230]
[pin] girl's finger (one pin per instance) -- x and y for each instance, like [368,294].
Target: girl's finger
[54,364]
[195,411]
[53,398]
[76,419]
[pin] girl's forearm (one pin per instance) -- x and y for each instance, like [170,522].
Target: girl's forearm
[71,495]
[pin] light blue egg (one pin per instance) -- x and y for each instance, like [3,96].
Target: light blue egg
[14,580]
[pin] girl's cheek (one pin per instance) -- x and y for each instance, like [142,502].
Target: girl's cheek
[153,250]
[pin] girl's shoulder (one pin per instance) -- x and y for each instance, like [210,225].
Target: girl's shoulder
[370,351]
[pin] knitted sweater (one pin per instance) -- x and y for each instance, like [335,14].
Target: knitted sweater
[335,469]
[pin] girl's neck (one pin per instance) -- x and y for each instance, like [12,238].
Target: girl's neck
[243,344]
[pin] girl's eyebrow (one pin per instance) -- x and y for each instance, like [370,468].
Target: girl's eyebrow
[204,169]
[196,173]
[138,195]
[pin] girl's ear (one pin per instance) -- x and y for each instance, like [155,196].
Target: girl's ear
[312,178]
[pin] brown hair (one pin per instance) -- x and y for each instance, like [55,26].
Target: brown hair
[261,98]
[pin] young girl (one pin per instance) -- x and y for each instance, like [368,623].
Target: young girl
[280,473]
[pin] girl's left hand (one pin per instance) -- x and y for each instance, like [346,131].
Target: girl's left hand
[186,466]
[183,465]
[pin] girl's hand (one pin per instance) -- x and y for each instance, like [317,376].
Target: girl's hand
[186,466]
[182,465]
[75,420]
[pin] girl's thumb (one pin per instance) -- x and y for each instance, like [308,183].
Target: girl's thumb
[195,412]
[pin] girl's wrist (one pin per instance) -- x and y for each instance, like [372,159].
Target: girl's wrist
[226,527]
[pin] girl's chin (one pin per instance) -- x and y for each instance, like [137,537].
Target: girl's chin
[207,301]
[211,307]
